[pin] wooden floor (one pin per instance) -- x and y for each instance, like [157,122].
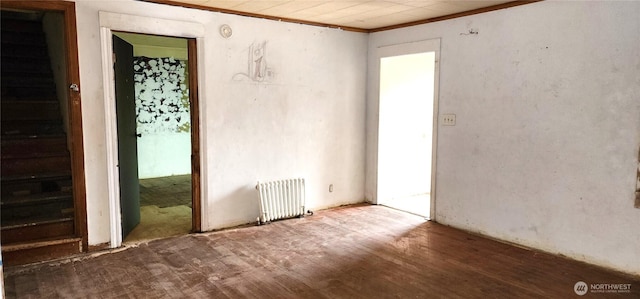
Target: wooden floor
[352,252]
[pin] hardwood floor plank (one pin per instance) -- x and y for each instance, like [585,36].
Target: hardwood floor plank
[358,251]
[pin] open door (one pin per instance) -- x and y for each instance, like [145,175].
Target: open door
[115,24]
[127,136]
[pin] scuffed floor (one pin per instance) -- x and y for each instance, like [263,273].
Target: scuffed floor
[358,251]
[158,222]
[166,191]
[165,208]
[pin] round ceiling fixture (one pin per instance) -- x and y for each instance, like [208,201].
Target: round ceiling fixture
[225,31]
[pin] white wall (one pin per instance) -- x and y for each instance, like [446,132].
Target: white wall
[164,154]
[547,98]
[308,120]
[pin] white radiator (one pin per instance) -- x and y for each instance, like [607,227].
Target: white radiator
[281,199]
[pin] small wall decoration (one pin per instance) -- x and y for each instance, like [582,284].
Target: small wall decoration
[257,70]
[162,96]
[225,31]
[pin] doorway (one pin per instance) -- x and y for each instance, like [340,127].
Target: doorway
[407,98]
[43,184]
[194,33]
[155,116]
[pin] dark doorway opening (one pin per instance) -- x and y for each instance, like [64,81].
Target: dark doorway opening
[43,189]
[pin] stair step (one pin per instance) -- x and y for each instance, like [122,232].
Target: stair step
[13,51]
[30,110]
[40,250]
[11,37]
[33,188]
[25,80]
[20,61]
[38,243]
[45,98]
[18,137]
[35,164]
[37,229]
[26,75]
[30,94]
[15,217]
[47,176]
[37,205]
[33,92]
[65,185]
[19,129]
[42,144]
[38,65]
[33,105]
[33,155]
[36,185]
[34,199]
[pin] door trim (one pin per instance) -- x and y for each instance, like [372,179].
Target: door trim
[192,50]
[431,45]
[75,135]
[146,25]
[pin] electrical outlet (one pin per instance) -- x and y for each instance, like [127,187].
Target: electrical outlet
[448,119]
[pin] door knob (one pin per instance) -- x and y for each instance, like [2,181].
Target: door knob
[74,87]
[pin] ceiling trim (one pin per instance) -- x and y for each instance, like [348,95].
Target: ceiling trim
[346,28]
[457,15]
[254,15]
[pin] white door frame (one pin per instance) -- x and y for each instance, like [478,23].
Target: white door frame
[146,25]
[431,45]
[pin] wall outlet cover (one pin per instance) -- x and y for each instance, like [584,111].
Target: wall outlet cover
[449,119]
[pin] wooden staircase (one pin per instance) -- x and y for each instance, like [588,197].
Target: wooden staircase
[37,206]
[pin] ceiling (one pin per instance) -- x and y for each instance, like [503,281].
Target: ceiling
[357,15]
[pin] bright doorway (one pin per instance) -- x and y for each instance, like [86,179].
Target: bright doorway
[408,98]
[154,135]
